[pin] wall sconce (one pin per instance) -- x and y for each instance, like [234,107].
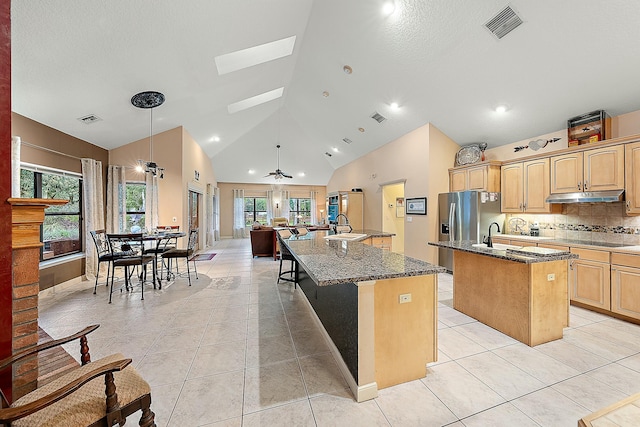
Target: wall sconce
[277,205]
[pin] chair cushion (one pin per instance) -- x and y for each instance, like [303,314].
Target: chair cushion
[86,405]
[178,253]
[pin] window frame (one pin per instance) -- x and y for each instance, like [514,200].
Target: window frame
[127,212]
[38,172]
[294,210]
[254,211]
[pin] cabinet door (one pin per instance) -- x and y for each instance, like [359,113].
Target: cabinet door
[536,186]
[566,173]
[477,178]
[604,168]
[590,283]
[511,188]
[625,291]
[457,180]
[632,180]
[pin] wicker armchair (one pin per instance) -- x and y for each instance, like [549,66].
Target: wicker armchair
[100,393]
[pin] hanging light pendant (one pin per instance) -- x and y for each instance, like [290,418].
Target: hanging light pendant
[150,100]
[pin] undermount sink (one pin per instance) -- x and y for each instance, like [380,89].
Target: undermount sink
[352,237]
[497,246]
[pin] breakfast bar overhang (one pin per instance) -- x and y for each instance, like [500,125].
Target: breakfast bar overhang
[378,309]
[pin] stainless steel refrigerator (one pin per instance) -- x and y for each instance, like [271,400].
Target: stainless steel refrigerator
[466,215]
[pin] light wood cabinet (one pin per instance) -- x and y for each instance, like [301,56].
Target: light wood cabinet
[591,170]
[625,285]
[525,187]
[382,242]
[483,176]
[632,178]
[590,278]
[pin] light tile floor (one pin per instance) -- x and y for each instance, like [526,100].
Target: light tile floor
[236,349]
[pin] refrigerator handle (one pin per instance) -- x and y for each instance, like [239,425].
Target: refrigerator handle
[452,210]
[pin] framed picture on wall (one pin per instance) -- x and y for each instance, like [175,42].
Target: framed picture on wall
[416,206]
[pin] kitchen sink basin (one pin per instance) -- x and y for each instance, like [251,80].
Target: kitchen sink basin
[497,246]
[351,237]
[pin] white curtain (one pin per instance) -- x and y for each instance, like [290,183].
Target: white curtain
[314,206]
[239,229]
[116,206]
[93,211]
[216,213]
[15,166]
[271,213]
[151,202]
[284,206]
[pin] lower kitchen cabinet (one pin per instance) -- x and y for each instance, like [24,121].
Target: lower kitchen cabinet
[380,242]
[625,285]
[590,278]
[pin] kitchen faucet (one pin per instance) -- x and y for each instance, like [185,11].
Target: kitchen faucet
[335,227]
[488,241]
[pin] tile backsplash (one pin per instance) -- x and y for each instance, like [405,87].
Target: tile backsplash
[594,222]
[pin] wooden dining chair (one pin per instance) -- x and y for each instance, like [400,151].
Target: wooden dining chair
[130,247]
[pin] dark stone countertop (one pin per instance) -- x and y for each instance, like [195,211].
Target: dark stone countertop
[536,254]
[331,262]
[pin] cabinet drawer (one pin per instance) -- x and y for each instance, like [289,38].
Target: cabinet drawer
[550,246]
[628,260]
[591,254]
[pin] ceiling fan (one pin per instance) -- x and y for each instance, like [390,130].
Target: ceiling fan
[278,174]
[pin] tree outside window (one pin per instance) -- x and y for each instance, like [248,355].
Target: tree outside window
[61,230]
[299,211]
[255,209]
[135,206]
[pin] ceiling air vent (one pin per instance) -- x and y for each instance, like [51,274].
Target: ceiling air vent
[91,118]
[328,154]
[378,117]
[347,140]
[503,23]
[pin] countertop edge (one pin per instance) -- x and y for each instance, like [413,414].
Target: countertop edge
[465,246]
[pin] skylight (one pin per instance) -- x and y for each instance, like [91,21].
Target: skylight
[251,56]
[255,100]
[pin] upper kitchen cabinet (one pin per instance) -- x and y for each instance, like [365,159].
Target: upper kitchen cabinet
[525,187]
[483,176]
[591,170]
[632,180]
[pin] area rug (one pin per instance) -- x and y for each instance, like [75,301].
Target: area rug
[203,257]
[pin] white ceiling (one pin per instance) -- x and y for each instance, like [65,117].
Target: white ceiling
[72,58]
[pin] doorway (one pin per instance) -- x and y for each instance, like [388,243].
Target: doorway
[393,213]
[194,214]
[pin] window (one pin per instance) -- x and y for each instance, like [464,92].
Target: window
[255,209]
[299,211]
[135,206]
[61,230]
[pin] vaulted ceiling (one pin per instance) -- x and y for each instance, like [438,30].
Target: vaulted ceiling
[434,58]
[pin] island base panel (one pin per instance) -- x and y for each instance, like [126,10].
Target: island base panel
[515,298]
[405,333]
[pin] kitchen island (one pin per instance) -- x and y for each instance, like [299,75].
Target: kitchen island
[521,292]
[378,309]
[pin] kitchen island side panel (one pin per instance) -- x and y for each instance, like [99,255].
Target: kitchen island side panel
[337,308]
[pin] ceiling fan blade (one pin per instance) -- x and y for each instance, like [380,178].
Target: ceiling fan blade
[285,175]
[270,174]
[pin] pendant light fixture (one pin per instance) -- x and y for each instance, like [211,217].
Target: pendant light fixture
[150,100]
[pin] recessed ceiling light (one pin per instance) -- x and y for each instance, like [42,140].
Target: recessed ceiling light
[214,139]
[325,94]
[388,8]
[394,105]
[361,129]
[502,108]
[301,174]
[251,171]
[255,100]
[254,55]
[335,149]
[347,69]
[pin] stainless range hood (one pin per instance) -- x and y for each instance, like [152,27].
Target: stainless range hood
[587,197]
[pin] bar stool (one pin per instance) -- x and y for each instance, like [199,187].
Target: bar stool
[285,255]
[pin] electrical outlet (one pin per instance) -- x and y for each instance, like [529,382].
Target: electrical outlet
[174,219]
[551,277]
[405,298]
[409,219]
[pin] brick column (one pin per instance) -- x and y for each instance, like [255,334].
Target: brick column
[27,216]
